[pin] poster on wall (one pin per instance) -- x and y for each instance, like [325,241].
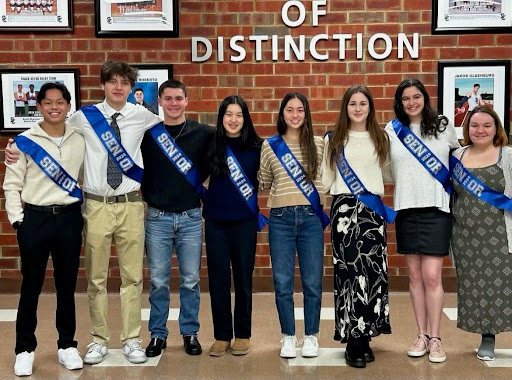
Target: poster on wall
[19,89]
[36,15]
[464,85]
[132,18]
[145,90]
[471,16]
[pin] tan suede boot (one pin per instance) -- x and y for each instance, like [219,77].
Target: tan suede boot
[219,348]
[241,346]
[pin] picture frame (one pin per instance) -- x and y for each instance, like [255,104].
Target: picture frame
[18,105]
[149,80]
[36,15]
[462,85]
[132,18]
[471,16]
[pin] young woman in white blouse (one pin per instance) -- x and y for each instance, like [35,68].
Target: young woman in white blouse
[423,223]
[358,233]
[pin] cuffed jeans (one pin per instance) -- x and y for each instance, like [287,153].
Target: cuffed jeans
[164,232]
[297,229]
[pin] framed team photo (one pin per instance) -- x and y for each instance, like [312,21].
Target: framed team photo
[36,15]
[19,89]
[463,85]
[471,16]
[132,18]
[145,90]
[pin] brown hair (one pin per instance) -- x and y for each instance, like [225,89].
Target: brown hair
[112,68]
[500,138]
[340,134]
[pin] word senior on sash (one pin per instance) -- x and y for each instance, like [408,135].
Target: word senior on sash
[420,151]
[170,149]
[114,147]
[356,187]
[295,171]
[461,176]
[239,179]
[57,174]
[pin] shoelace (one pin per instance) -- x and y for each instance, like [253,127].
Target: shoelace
[289,340]
[134,344]
[419,341]
[307,338]
[435,346]
[94,347]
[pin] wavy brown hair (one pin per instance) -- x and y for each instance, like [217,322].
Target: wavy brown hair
[307,138]
[500,138]
[340,134]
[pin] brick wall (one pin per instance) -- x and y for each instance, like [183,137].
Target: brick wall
[262,84]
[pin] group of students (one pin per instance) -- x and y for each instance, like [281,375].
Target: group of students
[352,163]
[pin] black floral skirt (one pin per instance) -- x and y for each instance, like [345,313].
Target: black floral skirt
[359,250]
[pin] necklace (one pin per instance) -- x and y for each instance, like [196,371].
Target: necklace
[181,130]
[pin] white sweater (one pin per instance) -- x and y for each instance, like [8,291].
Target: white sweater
[362,158]
[415,187]
[25,181]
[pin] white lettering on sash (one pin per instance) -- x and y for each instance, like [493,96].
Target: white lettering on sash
[355,186]
[170,149]
[420,151]
[461,176]
[117,151]
[236,174]
[58,175]
[296,173]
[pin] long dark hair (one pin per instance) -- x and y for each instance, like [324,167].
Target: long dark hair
[307,138]
[431,123]
[249,137]
[340,133]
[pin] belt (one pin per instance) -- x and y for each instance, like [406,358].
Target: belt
[55,209]
[129,197]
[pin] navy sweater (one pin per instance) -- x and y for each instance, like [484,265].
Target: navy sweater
[223,201]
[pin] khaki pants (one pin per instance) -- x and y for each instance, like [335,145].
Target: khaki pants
[125,223]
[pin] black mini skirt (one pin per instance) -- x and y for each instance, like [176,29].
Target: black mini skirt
[423,231]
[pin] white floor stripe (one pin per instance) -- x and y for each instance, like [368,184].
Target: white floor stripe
[451,313]
[326,313]
[327,357]
[503,359]
[173,314]
[8,315]
[116,358]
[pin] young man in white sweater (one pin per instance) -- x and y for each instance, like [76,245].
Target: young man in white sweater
[42,200]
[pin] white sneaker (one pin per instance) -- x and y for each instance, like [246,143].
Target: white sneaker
[95,353]
[70,358]
[288,348]
[310,347]
[24,363]
[134,352]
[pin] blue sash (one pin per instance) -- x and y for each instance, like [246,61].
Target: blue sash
[477,188]
[424,156]
[244,187]
[298,175]
[177,157]
[357,189]
[112,144]
[49,166]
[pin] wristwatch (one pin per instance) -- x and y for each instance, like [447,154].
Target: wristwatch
[17,224]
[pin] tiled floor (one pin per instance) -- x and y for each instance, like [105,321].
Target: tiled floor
[263,361]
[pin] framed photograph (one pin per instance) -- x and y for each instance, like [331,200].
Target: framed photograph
[36,15]
[463,85]
[471,16]
[132,18]
[145,90]
[19,88]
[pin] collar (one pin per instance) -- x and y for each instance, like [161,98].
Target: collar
[36,130]
[110,111]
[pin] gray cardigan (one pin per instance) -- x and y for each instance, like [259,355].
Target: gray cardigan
[506,165]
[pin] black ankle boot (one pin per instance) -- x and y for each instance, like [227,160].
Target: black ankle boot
[354,353]
[367,351]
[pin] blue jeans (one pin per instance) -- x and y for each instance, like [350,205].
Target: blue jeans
[164,232]
[291,229]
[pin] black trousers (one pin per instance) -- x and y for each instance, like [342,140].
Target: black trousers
[40,234]
[233,241]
